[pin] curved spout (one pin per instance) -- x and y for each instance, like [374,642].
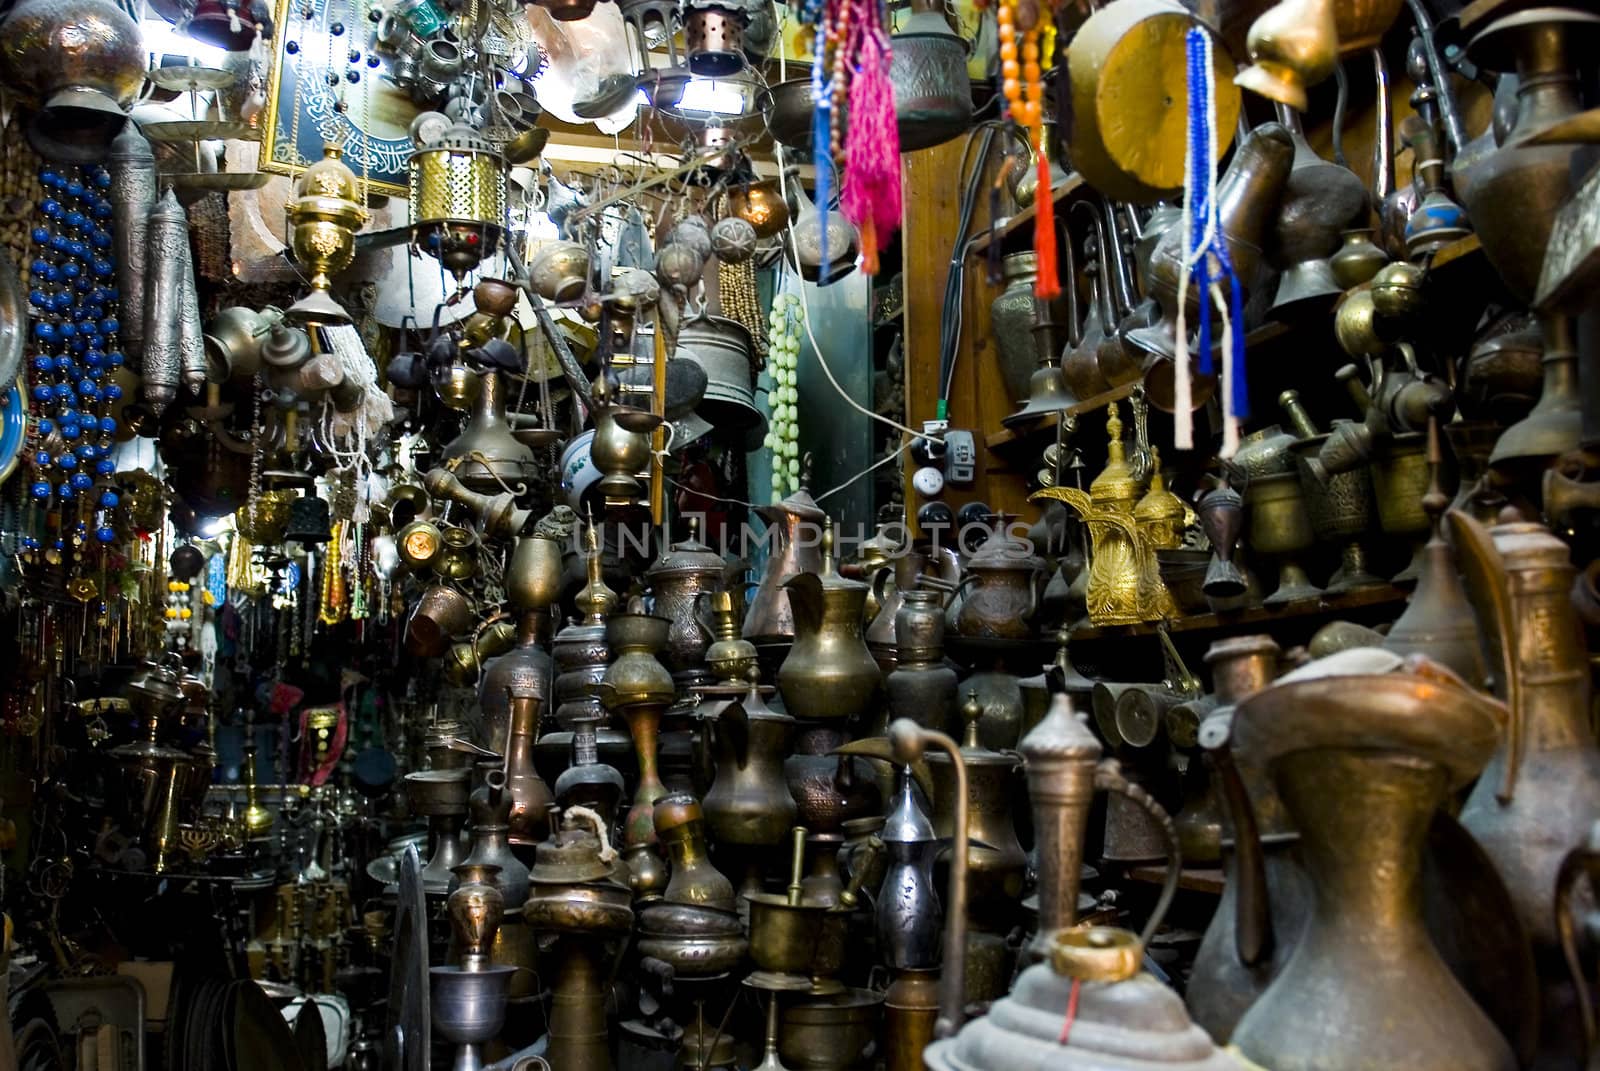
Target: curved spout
[1383,137]
[1113,254]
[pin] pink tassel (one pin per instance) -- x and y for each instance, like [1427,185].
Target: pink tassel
[870,195]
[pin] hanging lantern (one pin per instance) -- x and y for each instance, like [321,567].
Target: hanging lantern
[323,218]
[458,199]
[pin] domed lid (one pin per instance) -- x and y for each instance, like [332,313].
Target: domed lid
[1115,484]
[689,556]
[570,857]
[907,823]
[973,753]
[675,810]
[1062,735]
[329,177]
[1124,1017]
[1158,503]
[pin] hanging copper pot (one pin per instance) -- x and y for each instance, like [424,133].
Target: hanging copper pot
[932,90]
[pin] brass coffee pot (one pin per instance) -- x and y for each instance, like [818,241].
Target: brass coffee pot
[1000,591]
[1541,789]
[829,672]
[995,859]
[1403,735]
[1125,584]
[796,524]
[684,572]
[909,915]
[749,801]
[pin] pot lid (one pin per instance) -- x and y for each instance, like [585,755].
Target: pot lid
[158,687]
[687,557]
[1002,552]
[907,822]
[1158,503]
[973,753]
[1115,482]
[570,857]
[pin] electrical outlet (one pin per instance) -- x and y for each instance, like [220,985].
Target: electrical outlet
[960,457]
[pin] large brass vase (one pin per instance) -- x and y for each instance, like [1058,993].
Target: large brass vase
[1363,761]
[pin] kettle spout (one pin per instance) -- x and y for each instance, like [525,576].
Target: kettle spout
[1253,937]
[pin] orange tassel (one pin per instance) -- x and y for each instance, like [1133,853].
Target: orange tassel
[869,247]
[1047,284]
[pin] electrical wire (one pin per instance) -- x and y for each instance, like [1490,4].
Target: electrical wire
[805,314]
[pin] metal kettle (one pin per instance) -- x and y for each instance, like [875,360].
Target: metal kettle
[797,529]
[909,918]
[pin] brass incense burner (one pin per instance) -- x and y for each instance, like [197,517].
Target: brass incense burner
[324,216]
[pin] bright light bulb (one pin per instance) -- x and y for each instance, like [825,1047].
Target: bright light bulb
[711,95]
[161,39]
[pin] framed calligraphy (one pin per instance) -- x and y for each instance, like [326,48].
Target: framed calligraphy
[302,106]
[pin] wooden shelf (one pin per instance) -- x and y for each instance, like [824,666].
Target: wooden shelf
[1199,879]
[1322,605]
[1058,193]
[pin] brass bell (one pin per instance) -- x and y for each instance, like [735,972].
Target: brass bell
[308,521]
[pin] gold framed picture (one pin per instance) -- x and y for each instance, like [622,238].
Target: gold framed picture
[302,107]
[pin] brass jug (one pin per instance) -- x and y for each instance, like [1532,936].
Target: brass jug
[829,672]
[526,666]
[1541,790]
[681,827]
[491,458]
[1402,740]
[796,524]
[921,686]
[530,796]
[639,688]
[749,801]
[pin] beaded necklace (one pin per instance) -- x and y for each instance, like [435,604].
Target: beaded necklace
[72,310]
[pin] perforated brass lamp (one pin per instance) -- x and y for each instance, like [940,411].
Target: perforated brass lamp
[458,199]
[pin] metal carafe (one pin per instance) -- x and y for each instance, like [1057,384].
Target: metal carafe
[829,672]
[530,796]
[749,802]
[921,686]
[491,459]
[1400,735]
[797,548]
[909,915]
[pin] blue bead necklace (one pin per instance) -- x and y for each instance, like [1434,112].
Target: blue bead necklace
[72,349]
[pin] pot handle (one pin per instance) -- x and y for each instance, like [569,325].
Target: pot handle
[1252,930]
[1108,776]
[860,864]
[1582,862]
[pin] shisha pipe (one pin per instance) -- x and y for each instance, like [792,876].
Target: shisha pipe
[1455,133]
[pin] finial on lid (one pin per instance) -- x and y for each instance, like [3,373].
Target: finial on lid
[971,712]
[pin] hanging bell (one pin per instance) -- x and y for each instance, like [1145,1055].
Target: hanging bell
[308,521]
